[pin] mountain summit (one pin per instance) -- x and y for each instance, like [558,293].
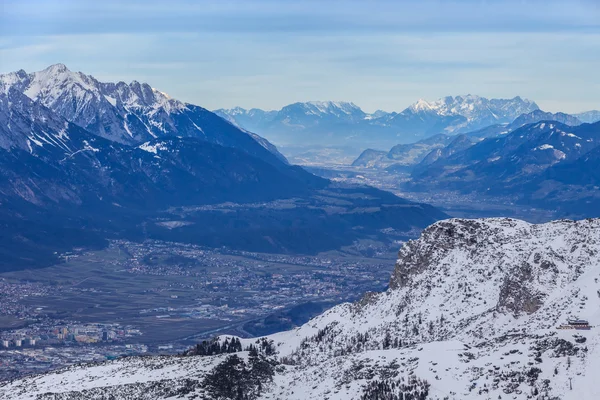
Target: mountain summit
[478,111]
[129,113]
[125,113]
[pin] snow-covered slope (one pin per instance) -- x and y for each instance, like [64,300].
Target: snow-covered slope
[510,160]
[471,313]
[125,113]
[28,125]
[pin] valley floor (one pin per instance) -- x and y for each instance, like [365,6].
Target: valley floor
[452,203]
[158,297]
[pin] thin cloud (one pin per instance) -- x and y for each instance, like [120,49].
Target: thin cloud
[378,54]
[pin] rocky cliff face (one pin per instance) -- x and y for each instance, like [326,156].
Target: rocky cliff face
[471,313]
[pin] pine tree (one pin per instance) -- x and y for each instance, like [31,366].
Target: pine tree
[387,341]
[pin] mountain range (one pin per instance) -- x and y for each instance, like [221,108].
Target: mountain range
[475,309]
[327,123]
[128,113]
[547,163]
[83,161]
[426,150]
[588,116]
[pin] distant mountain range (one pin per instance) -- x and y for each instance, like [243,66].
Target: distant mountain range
[345,124]
[82,161]
[588,116]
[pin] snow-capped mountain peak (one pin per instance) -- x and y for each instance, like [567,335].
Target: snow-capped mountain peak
[237,111]
[125,113]
[340,109]
[470,112]
[421,106]
[471,106]
[338,122]
[331,106]
[130,114]
[53,82]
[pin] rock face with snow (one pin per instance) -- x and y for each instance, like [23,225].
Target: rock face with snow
[125,113]
[128,113]
[463,113]
[29,126]
[472,312]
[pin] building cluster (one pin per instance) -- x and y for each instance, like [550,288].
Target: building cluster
[44,334]
[16,342]
[576,323]
[11,294]
[224,287]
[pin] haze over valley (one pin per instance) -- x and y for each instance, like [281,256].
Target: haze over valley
[452,147]
[244,200]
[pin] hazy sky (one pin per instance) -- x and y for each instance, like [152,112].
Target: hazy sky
[261,53]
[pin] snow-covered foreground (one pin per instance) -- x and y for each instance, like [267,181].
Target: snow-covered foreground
[472,313]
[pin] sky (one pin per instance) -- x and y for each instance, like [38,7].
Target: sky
[265,53]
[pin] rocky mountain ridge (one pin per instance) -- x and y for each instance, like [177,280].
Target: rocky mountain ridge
[128,113]
[426,151]
[472,311]
[525,165]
